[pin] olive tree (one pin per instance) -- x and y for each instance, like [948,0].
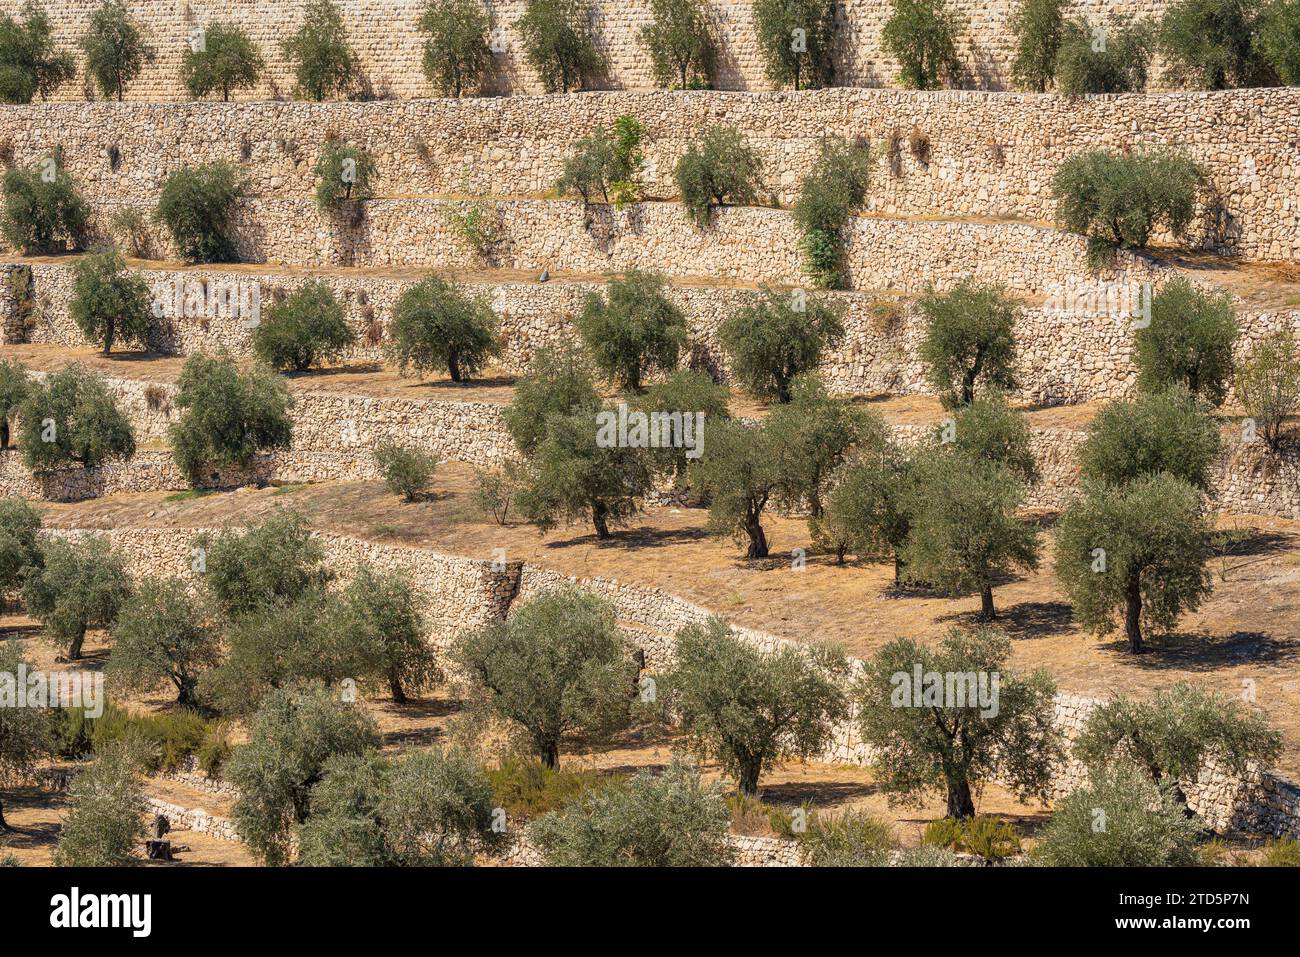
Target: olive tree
[680,41]
[1176,733]
[71,419]
[797,41]
[197,206]
[324,62]
[1119,819]
[275,562]
[108,302]
[1278,39]
[343,172]
[456,51]
[1188,341]
[717,169]
[867,512]
[1039,26]
[964,529]
[20,547]
[750,710]
[44,214]
[379,614]
[1110,59]
[435,325]
[1268,385]
[163,636]
[15,385]
[306,327]
[29,64]
[964,721]
[558,670]
[738,474]
[290,739]
[82,584]
[778,336]
[989,430]
[1208,43]
[104,824]
[560,382]
[115,48]
[634,329]
[227,416]
[24,732]
[225,58]
[683,393]
[970,341]
[1156,432]
[921,36]
[1137,550]
[558,43]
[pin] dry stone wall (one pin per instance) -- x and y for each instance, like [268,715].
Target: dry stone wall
[384,35]
[1064,355]
[461,593]
[991,155]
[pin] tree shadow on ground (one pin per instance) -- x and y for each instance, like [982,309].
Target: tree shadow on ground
[795,793]
[1198,652]
[642,536]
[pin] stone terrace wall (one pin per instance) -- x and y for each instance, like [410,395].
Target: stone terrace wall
[384,35]
[743,245]
[461,593]
[1064,356]
[516,146]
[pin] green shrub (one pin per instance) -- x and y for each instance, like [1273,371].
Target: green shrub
[104,825]
[160,742]
[1119,819]
[681,44]
[1113,59]
[478,225]
[1268,385]
[1188,342]
[71,419]
[1282,852]
[305,328]
[29,64]
[920,35]
[669,819]
[848,839]
[558,43]
[989,838]
[750,816]
[162,638]
[608,162]
[495,493]
[456,53]
[436,325]
[81,584]
[276,562]
[197,206]
[969,342]
[324,63]
[797,41]
[20,549]
[943,832]
[115,49]
[1278,40]
[777,337]
[227,416]
[344,172]
[560,382]
[828,197]
[108,302]
[407,471]
[130,225]
[1156,432]
[226,59]
[1039,26]
[1208,43]
[43,212]
[14,389]
[633,330]
[1118,200]
[526,788]
[717,169]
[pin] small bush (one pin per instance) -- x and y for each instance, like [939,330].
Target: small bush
[1208,43]
[197,205]
[920,35]
[751,817]
[115,49]
[681,43]
[1268,385]
[108,302]
[456,53]
[494,493]
[43,211]
[225,59]
[943,832]
[848,839]
[797,40]
[344,173]
[527,788]
[970,342]
[408,472]
[478,226]
[1039,27]
[29,64]
[305,328]
[104,826]
[828,197]
[227,416]
[634,330]
[1113,61]
[324,63]
[608,163]
[1282,852]
[717,169]
[71,419]
[130,225]
[558,43]
[1118,201]
[436,326]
